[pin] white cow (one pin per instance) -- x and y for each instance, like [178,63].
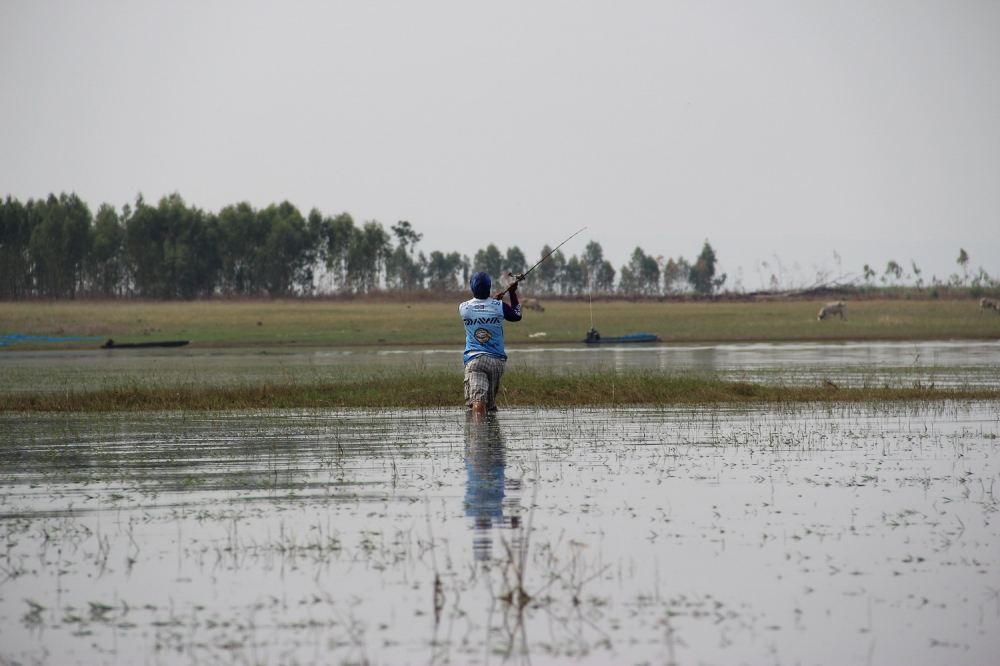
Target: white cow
[830,309]
[989,304]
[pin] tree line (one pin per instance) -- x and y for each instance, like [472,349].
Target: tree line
[56,248]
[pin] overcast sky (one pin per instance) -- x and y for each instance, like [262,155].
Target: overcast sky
[791,128]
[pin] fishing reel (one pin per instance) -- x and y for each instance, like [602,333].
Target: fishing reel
[509,280]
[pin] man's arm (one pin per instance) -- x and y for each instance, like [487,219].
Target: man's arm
[512,312]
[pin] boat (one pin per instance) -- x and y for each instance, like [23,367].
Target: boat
[595,338]
[111,344]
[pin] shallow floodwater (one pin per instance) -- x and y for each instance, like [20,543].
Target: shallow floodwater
[943,363]
[839,534]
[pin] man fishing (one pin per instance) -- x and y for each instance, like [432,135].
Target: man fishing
[484,357]
[483,316]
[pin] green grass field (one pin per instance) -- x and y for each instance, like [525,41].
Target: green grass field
[377,322]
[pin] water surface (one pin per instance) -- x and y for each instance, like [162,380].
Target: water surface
[839,534]
[959,363]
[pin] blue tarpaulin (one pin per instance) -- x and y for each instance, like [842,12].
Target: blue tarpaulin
[10,338]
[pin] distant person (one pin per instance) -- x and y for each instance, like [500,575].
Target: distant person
[485,358]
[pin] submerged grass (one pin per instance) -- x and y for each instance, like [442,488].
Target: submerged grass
[439,388]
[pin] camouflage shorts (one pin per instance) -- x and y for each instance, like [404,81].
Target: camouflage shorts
[482,380]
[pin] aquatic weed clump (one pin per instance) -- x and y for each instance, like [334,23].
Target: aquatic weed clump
[429,388]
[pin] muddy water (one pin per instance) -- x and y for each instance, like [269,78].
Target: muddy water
[844,534]
[959,363]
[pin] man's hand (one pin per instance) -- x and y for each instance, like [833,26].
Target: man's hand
[510,288]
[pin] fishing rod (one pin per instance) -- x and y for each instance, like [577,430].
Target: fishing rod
[520,276]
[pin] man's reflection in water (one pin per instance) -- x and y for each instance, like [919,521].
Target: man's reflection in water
[491,499]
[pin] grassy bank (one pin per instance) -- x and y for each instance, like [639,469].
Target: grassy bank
[444,389]
[376,322]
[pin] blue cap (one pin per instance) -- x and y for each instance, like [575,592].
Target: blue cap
[480,284]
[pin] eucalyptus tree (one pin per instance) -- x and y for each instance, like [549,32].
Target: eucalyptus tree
[702,273]
[547,275]
[675,276]
[58,245]
[335,236]
[171,251]
[443,270]
[192,249]
[406,236]
[145,235]
[106,260]
[572,277]
[16,224]
[641,276]
[403,269]
[288,251]
[515,261]
[242,235]
[592,259]
[628,283]
[604,280]
[490,260]
[893,271]
[917,274]
[367,252]
[466,269]
[963,261]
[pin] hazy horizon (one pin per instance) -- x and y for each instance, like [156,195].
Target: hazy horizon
[771,128]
